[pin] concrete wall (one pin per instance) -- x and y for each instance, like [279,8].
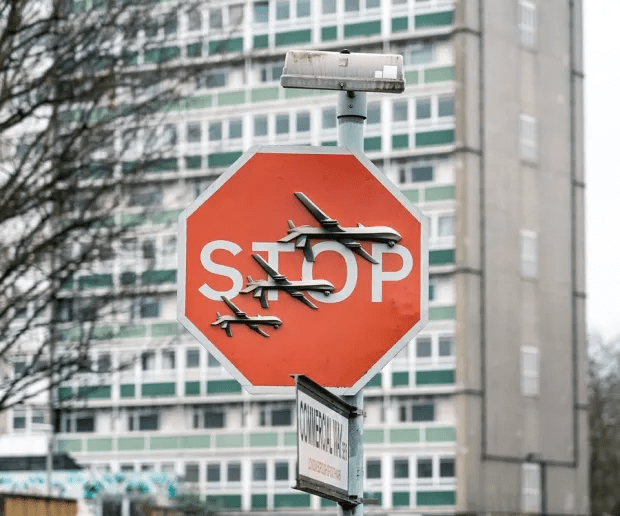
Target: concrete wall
[498,310]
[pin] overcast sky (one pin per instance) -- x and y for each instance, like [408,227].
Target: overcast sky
[602,119]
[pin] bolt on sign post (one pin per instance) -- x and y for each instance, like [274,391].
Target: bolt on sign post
[309,261]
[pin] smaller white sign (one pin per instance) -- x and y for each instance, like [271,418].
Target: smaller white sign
[322,442]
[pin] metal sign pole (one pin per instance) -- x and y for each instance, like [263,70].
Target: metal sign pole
[351,113]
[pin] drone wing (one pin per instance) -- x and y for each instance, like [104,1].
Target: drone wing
[275,275]
[357,248]
[239,313]
[327,222]
[228,329]
[300,295]
[258,330]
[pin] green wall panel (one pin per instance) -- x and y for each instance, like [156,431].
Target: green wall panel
[441,257]
[64,393]
[95,392]
[372,144]
[159,277]
[433,19]
[293,37]
[194,50]
[192,388]
[291,500]
[168,442]
[440,435]
[128,390]
[294,93]
[226,45]
[375,381]
[69,445]
[229,441]
[195,441]
[374,436]
[159,389]
[290,439]
[102,333]
[434,138]
[400,379]
[167,216]
[136,219]
[412,195]
[263,439]
[259,501]
[329,33]
[400,499]
[411,77]
[368,28]
[444,73]
[99,445]
[199,102]
[223,387]
[222,159]
[442,313]
[264,94]
[261,41]
[193,162]
[400,141]
[161,55]
[95,281]
[445,376]
[435,498]
[405,435]
[224,501]
[165,329]
[400,24]
[439,193]
[327,503]
[231,98]
[130,443]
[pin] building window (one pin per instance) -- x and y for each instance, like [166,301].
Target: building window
[212,361]
[143,421]
[194,132]
[329,6]
[168,359]
[19,366]
[126,468]
[399,111]
[423,109]
[213,472]
[529,254]
[276,416]
[235,15]
[417,411]
[281,471]
[19,420]
[170,23]
[235,129]
[85,423]
[401,468]
[527,23]
[418,54]
[214,418]
[445,226]
[271,72]
[445,105]
[373,468]
[147,359]
[425,468]
[530,371]
[233,472]
[329,118]
[215,131]
[446,346]
[148,249]
[530,487]
[303,122]
[215,18]
[261,12]
[260,126]
[192,358]
[282,124]
[38,417]
[194,20]
[259,471]
[351,5]
[104,363]
[373,115]
[303,8]
[423,347]
[446,467]
[192,472]
[528,137]
[283,10]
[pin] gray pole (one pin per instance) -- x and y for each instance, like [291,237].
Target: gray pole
[351,113]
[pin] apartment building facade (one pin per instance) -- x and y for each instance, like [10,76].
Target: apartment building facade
[484,410]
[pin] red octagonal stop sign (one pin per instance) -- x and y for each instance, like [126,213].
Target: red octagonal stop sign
[303,260]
